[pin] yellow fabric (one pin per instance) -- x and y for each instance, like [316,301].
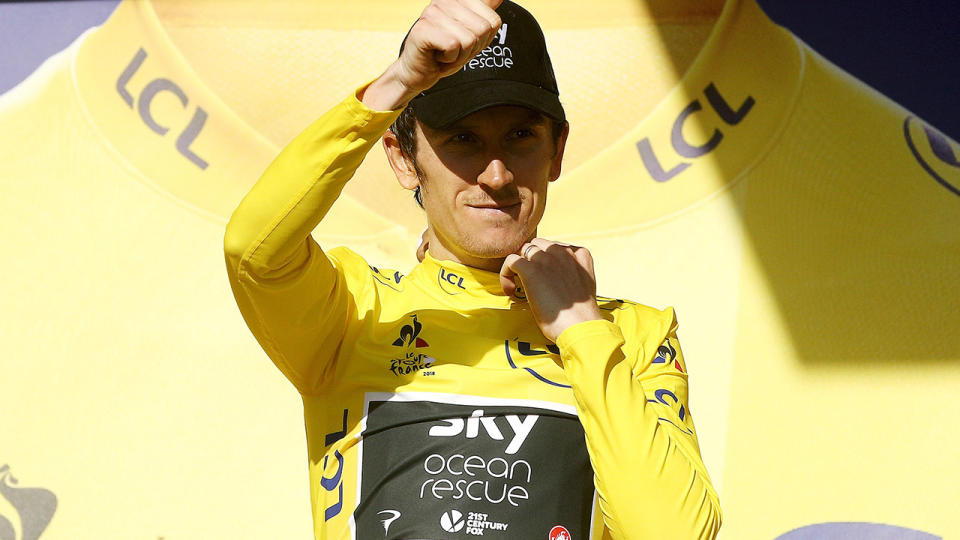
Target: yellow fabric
[132,390]
[330,326]
[811,255]
[609,378]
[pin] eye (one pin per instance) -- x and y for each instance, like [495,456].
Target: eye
[463,137]
[522,133]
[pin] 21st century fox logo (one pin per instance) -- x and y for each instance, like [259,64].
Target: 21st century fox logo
[25,512]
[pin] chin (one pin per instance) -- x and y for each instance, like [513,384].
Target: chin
[497,246]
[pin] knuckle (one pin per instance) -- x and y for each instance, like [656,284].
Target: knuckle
[445,42]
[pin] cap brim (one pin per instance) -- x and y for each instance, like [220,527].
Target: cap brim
[441,108]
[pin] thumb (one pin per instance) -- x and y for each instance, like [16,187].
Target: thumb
[492,4]
[510,272]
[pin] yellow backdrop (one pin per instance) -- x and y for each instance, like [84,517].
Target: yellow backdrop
[805,228]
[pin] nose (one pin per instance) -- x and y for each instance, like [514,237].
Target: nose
[496,175]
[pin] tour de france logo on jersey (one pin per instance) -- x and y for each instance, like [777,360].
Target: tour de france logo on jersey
[935,152]
[34,508]
[413,358]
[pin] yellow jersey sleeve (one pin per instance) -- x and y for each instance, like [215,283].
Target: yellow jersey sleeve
[632,401]
[295,299]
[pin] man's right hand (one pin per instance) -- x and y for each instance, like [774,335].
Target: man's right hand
[445,37]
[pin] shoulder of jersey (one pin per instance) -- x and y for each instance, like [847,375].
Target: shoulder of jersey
[644,328]
[877,132]
[628,313]
[45,91]
[358,272]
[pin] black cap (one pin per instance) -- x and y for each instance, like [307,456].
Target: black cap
[514,69]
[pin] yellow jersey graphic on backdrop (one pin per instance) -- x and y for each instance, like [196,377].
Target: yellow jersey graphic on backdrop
[806,228]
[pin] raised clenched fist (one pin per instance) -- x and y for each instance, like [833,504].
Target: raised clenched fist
[445,37]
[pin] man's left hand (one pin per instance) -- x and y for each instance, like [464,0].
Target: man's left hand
[558,281]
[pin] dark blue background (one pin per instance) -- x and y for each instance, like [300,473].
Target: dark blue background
[908,49]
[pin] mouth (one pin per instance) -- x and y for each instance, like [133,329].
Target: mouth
[494,209]
[506,203]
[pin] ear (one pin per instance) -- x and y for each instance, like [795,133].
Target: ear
[401,164]
[558,157]
[425,237]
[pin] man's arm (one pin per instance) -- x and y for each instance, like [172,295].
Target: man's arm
[650,478]
[647,466]
[291,296]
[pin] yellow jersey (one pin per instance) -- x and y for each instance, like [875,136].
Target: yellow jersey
[434,406]
[806,231]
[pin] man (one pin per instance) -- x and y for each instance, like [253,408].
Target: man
[455,401]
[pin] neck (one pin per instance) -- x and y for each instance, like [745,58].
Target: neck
[444,250]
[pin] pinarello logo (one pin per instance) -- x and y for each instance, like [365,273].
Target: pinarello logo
[34,507]
[560,533]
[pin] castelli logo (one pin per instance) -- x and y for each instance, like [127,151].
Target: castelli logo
[560,533]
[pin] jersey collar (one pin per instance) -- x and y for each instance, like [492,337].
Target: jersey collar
[722,117]
[153,110]
[462,285]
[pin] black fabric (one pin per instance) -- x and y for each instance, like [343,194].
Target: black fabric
[445,470]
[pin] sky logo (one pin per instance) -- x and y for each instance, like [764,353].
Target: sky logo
[33,509]
[520,428]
